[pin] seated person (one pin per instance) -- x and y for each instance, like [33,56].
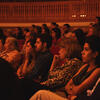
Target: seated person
[44,58]
[64,65]
[9,89]
[84,79]
[29,60]
[11,53]
[56,37]
[39,72]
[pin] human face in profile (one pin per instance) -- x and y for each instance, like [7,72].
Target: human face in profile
[28,48]
[62,53]
[87,54]
[38,45]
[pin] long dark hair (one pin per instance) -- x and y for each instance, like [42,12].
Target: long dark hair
[80,36]
[93,42]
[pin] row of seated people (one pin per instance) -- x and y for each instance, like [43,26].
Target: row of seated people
[40,70]
[57,32]
[75,75]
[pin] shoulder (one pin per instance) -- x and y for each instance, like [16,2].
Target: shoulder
[97,71]
[74,61]
[46,55]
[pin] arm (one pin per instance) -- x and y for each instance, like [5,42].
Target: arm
[86,83]
[54,62]
[42,66]
[57,78]
[22,69]
[61,76]
[70,83]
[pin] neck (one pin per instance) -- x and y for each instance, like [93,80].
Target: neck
[92,65]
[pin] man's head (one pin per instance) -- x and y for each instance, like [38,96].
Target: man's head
[43,42]
[97,19]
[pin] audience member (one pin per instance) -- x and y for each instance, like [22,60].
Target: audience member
[97,27]
[45,29]
[11,53]
[64,65]
[56,37]
[29,60]
[31,82]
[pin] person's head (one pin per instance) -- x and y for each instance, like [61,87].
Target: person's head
[79,35]
[37,30]
[66,27]
[90,25]
[11,43]
[98,19]
[8,32]
[26,30]
[69,48]
[90,31]
[30,47]
[45,29]
[43,42]
[53,25]
[67,34]
[28,36]
[91,51]
[56,33]
[44,25]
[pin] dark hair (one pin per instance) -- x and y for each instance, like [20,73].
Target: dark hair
[20,33]
[54,23]
[32,42]
[26,29]
[47,31]
[93,42]
[80,36]
[98,18]
[67,25]
[44,25]
[45,38]
[58,32]
[33,26]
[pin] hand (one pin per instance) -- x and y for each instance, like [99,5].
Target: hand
[71,97]
[56,58]
[27,54]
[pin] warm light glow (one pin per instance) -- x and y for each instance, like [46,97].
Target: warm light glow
[73,15]
[82,15]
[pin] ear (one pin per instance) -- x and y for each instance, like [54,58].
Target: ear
[96,54]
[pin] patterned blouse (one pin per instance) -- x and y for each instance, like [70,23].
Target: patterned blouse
[61,75]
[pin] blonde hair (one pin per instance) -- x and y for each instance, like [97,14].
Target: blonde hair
[73,49]
[13,41]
